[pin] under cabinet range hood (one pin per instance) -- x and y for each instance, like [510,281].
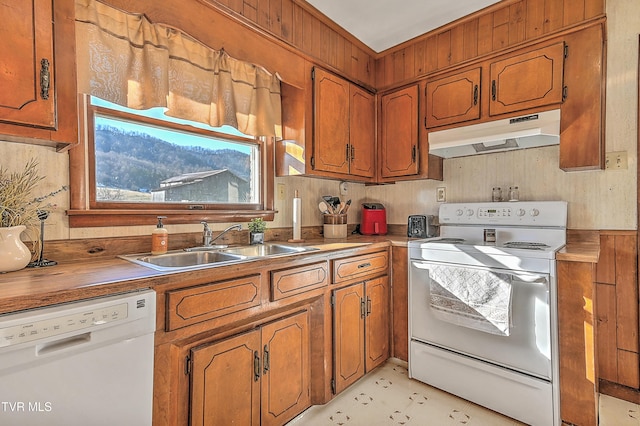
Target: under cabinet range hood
[529,131]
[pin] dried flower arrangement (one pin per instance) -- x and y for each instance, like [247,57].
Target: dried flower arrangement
[17,204]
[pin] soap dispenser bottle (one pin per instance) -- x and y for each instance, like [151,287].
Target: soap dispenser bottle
[159,238]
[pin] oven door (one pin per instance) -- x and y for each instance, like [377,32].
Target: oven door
[521,340]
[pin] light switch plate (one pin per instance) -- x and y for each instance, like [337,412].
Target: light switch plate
[616,160]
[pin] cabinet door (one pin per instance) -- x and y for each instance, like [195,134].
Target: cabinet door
[29,32]
[362,136]
[399,133]
[400,301]
[348,335]
[576,343]
[453,99]
[286,371]
[225,382]
[330,122]
[377,322]
[27,78]
[526,81]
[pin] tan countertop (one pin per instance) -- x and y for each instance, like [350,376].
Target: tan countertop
[35,287]
[31,288]
[579,252]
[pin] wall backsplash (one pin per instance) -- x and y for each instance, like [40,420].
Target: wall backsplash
[597,199]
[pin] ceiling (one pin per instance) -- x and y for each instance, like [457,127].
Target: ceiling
[381,24]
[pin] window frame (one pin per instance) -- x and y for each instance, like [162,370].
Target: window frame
[85,211]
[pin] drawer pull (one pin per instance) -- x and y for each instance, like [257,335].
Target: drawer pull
[364,265]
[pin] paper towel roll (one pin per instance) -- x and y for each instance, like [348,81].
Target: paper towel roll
[297,217]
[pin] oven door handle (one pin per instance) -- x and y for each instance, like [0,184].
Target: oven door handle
[526,277]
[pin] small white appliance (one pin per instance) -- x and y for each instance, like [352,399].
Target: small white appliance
[80,363]
[483,308]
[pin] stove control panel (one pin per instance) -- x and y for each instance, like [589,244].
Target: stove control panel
[521,213]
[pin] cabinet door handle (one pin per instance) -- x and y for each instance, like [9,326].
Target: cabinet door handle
[346,154]
[493,90]
[363,310]
[266,359]
[45,79]
[353,153]
[256,366]
[413,154]
[368,306]
[475,95]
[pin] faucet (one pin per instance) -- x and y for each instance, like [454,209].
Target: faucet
[207,238]
[236,226]
[206,234]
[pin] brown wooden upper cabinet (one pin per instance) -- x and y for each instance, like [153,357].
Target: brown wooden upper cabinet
[528,80]
[453,99]
[399,133]
[343,127]
[38,99]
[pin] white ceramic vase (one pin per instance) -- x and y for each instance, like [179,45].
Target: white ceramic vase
[14,254]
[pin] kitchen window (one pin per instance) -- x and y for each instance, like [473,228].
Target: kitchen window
[140,163]
[156,106]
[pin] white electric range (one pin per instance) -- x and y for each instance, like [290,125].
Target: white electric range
[482,306]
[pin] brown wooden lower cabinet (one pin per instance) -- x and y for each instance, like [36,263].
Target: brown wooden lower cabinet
[576,330]
[400,302]
[257,378]
[361,330]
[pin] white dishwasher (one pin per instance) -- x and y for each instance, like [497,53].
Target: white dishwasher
[81,363]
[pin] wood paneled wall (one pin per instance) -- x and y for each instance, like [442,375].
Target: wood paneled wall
[617,309]
[507,24]
[305,28]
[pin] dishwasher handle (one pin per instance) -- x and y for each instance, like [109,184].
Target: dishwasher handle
[62,344]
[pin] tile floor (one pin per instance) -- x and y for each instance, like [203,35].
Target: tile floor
[387,396]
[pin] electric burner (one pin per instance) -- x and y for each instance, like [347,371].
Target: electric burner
[527,245]
[448,240]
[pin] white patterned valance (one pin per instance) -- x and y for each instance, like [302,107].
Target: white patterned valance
[128,60]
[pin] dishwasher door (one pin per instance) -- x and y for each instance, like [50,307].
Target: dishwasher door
[80,363]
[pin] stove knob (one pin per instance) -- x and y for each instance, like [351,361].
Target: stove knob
[469,212]
[534,212]
[520,212]
[459,212]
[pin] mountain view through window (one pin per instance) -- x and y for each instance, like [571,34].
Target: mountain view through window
[140,163]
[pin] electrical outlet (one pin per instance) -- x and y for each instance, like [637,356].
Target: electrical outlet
[441,194]
[616,160]
[343,188]
[281,191]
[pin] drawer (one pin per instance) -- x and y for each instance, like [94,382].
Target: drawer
[197,304]
[289,282]
[350,268]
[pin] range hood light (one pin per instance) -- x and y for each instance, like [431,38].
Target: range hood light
[536,130]
[496,145]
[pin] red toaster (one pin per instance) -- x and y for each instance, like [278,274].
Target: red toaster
[374,219]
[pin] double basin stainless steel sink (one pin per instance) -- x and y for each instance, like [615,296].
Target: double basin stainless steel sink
[203,258]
